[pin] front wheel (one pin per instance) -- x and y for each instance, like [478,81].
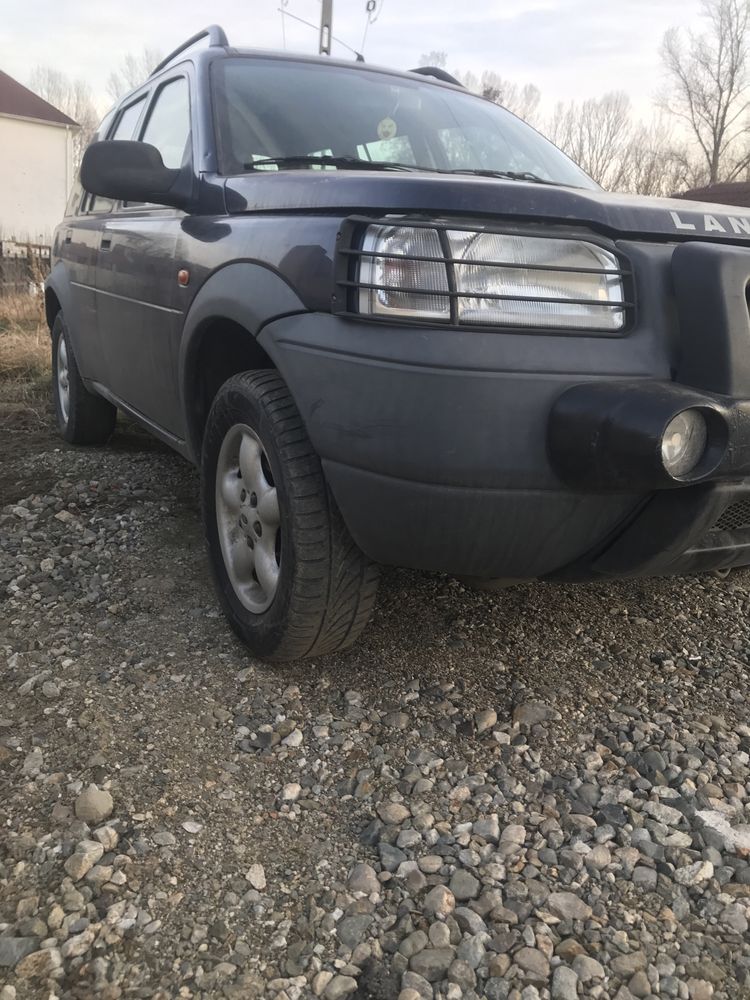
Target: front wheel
[290,578]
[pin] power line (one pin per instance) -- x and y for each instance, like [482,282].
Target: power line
[372,13]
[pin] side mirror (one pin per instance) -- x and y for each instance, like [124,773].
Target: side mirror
[132,171]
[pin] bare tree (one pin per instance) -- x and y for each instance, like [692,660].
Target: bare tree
[73,98]
[434,58]
[596,133]
[709,86]
[654,163]
[522,99]
[134,69]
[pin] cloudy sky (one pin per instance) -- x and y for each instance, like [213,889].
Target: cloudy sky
[569,48]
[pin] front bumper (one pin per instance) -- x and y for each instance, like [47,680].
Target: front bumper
[443,447]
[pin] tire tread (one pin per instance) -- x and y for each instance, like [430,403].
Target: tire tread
[335,584]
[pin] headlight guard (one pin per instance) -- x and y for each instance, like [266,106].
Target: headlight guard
[477,275]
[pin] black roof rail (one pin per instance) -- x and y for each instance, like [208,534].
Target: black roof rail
[439,74]
[214,33]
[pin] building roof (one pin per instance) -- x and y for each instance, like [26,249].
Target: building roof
[723,194]
[20,102]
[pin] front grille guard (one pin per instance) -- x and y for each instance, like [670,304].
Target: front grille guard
[350,254]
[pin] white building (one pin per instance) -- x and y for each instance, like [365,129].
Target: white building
[36,163]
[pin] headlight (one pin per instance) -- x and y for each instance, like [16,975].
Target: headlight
[409,279]
[472,277]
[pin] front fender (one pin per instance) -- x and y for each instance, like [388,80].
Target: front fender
[245,292]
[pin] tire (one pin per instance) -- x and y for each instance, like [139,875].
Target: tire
[291,580]
[82,417]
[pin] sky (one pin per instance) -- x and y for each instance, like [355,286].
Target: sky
[571,49]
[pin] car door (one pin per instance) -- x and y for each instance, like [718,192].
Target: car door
[77,246]
[137,287]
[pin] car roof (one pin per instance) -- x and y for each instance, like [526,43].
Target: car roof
[218,52]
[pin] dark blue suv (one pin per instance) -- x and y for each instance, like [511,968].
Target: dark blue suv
[393,324]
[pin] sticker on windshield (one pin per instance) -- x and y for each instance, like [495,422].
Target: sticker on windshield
[387,129]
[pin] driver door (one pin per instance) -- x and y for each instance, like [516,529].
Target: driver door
[137,289]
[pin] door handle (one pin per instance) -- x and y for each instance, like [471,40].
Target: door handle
[106,243]
[68,236]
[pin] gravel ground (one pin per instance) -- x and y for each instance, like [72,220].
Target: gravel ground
[541,793]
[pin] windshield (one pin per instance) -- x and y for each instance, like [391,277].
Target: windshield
[273,108]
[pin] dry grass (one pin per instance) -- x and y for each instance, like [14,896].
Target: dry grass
[24,339]
[24,362]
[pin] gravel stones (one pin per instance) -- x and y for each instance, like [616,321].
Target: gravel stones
[393,813]
[432,963]
[366,826]
[39,964]
[568,906]
[340,986]
[625,965]
[464,885]
[564,984]
[13,949]
[86,855]
[692,875]
[363,878]
[94,805]
[439,902]
[533,964]
[587,968]
[700,989]
[485,720]
[256,876]
[488,829]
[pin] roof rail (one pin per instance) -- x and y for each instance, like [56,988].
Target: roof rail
[439,74]
[216,37]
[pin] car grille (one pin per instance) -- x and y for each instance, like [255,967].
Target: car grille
[735,518]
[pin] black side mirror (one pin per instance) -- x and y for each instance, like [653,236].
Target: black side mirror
[132,171]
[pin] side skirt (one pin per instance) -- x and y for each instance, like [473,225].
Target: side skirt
[178,444]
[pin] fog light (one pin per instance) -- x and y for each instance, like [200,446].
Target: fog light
[684,442]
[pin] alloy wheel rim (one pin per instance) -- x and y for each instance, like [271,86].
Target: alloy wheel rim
[63,378]
[248,518]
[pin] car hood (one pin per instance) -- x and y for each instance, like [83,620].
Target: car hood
[399,192]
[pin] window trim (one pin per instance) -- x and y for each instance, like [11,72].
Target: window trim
[142,98]
[122,208]
[151,104]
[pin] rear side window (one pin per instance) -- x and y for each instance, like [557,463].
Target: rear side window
[168,125]
[125,128]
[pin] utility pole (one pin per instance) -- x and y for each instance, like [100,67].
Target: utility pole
[326,27]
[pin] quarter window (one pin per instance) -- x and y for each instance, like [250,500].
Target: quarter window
[168,125]
[125,127]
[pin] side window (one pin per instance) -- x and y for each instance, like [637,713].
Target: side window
[168,124]
[124,129]
[79,200]
[73,205]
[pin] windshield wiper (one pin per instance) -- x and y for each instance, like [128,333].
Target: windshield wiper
[342,162]
[510,175]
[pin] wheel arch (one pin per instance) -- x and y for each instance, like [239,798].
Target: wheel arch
[56,293]
[220,336]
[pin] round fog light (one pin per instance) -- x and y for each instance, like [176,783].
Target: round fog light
[684,442]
